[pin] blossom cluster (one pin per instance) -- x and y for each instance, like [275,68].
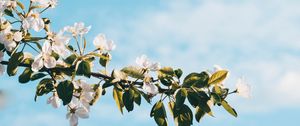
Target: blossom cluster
[61,56]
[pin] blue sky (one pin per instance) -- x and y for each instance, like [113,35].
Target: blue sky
[253,38]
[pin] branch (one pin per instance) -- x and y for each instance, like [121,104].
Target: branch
[93,74]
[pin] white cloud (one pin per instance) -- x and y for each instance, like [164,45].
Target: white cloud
[257,39]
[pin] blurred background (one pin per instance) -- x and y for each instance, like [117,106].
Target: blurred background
[257,39]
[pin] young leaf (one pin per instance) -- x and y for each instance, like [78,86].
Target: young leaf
[70,60]
[159,113]
[228,108]
[65,91]
[25,76]
[218,77]
[167,70]
[180,97]
[199,114]
[184,116]
[14,62]
[118,98]
[37,76]
[134,72]
[104,60]
[128,99]
[191,79]
[84,68]
[44,87]
[178,73]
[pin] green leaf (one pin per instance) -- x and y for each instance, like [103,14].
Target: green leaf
[134,72]
[159,113]
[104,59]
[70,59]
[199,99]
[167,71]
[218,77]
[8,12]
[2,47]
[203,80]
[25,76]
[137,97]
[166,81]
[183,116]
[228,108]
[44,87]
[128,99]
[84,68]
[37,76]
[14,61]
[216,97]
[199,114]
[180,96]
[118,99]
[65,91]
[178,73]
[196,79]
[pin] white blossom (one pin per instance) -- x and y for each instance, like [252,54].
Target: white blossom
[150,88]
[243,88]
[87,93]
[46,3]
[54,101]
[77,29]
[101,43]
[33,21]
[144,62]
[76,111]
[59,42]
[9,38]
[44,58]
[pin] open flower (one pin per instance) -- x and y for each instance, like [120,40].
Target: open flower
[33,21]
[9,39]
[86,95]
[243,88]
[54,100]
[59,42]
[76,111]
[44,58]
[46,3]
[77,29]
[149,87]
[101,43]
[145,63]
[2,68]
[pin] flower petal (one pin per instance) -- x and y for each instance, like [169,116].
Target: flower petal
[82,112]
[37,64]
[49,62]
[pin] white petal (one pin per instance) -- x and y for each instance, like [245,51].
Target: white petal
[82,113]
[47,49]
[38,24]
[155,66]
[150,88]
[10,45]
[26,24]
[110,45]
[18,36]
[37,64]
[73,120]
[100,41]
[49,62]
[243,89]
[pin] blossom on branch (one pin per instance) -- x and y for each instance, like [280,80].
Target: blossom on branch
[44,58]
